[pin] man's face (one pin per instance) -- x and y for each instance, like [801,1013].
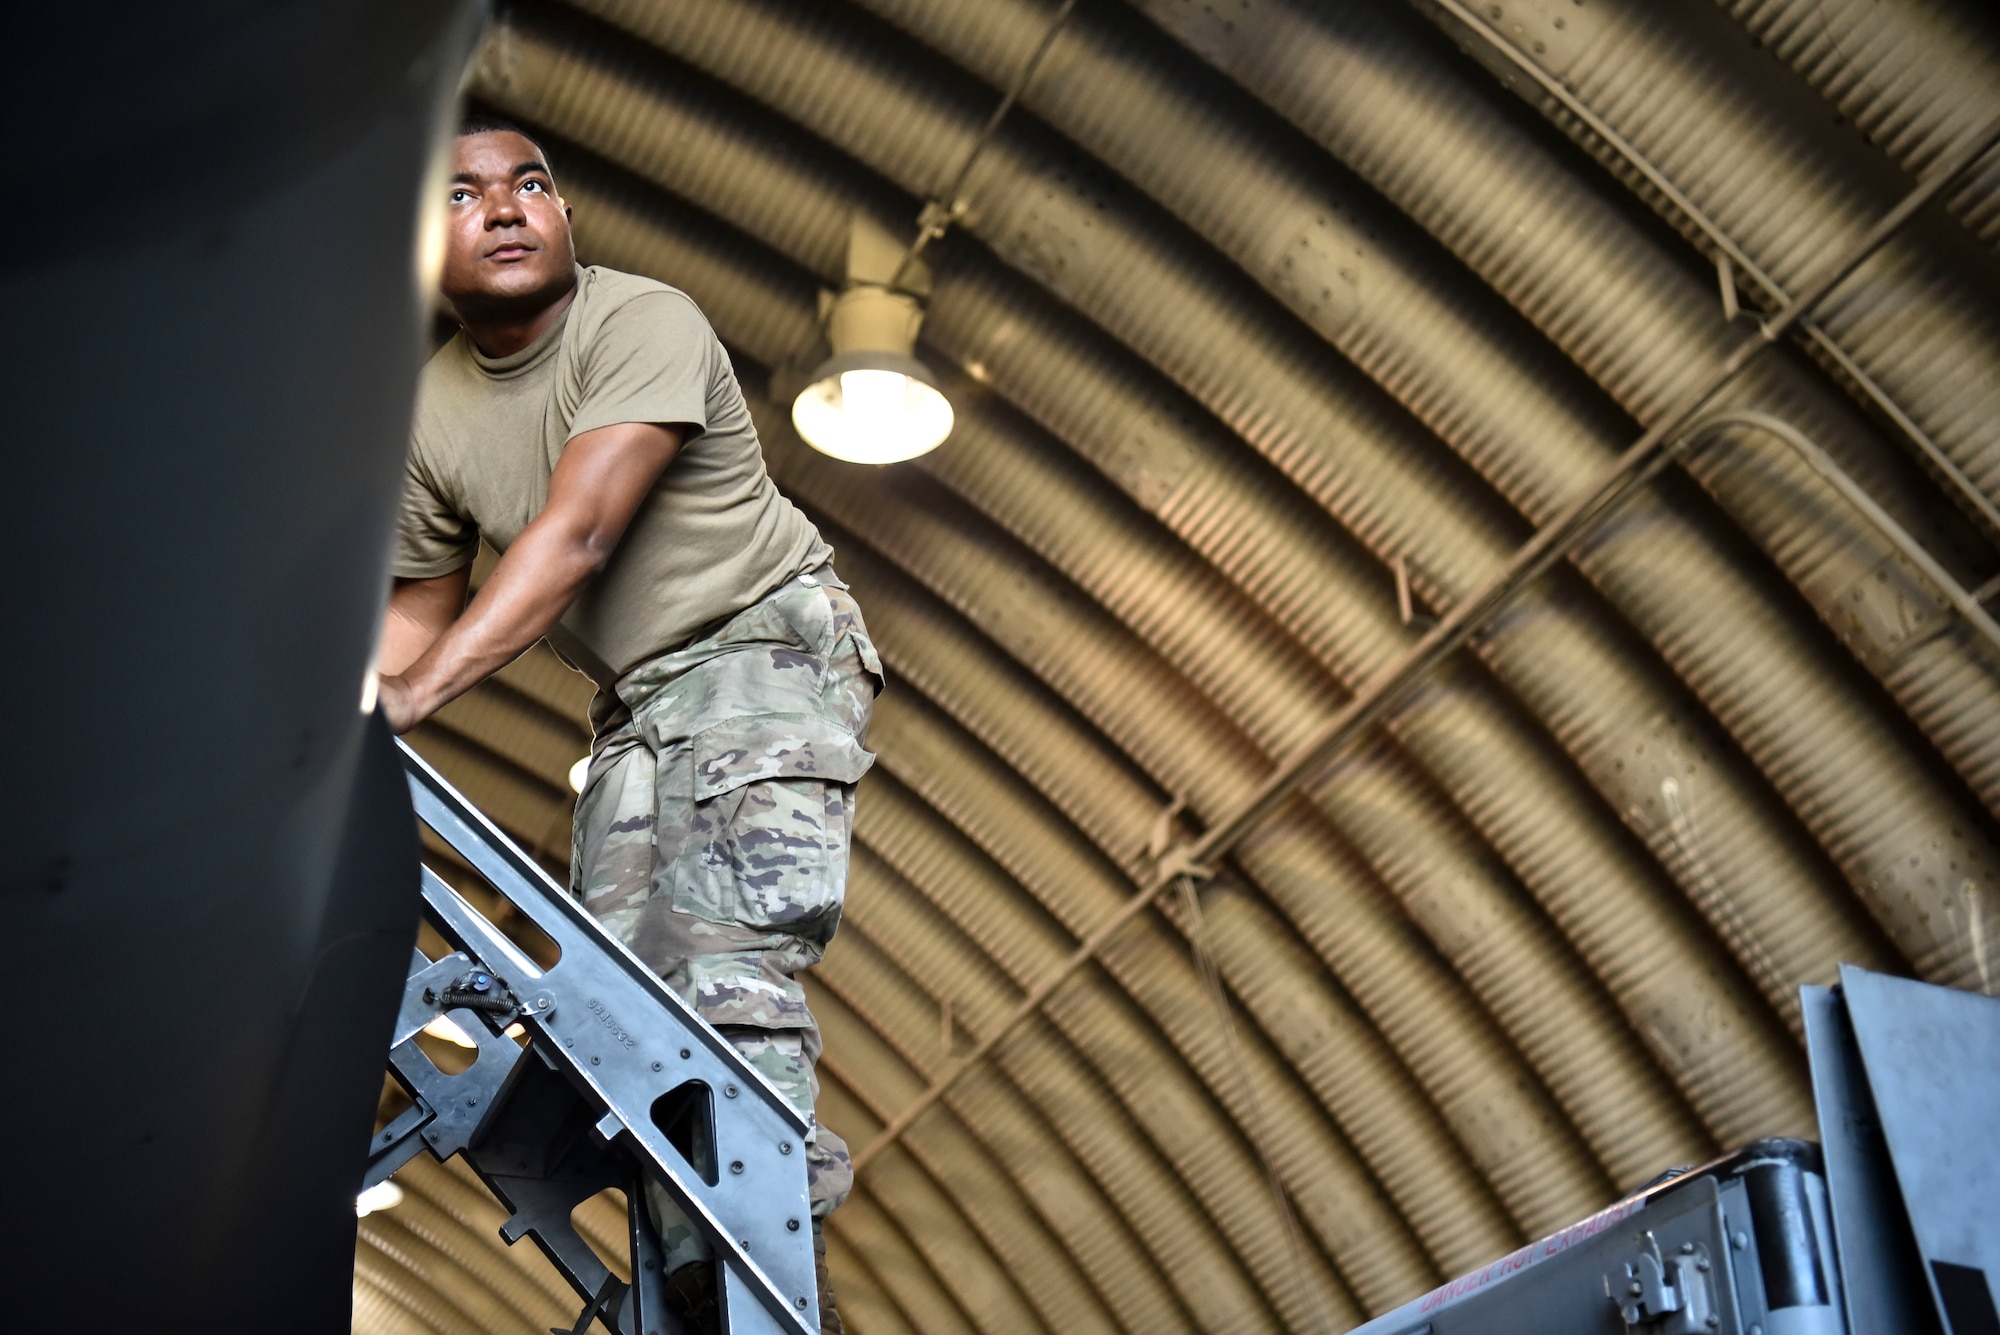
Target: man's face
[507,241]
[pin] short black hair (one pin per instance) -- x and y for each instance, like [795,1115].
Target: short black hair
[479,122]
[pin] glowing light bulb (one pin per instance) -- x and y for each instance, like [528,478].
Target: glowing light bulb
[579,774]
[872,415]
[873,400]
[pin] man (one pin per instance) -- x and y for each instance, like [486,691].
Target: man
[587,424]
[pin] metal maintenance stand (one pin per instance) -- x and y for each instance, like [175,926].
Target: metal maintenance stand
[1890,1227]
[619,1081]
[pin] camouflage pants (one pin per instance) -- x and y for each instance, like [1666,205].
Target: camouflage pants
[711,836]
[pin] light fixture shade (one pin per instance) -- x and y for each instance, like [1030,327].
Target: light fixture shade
[872,408]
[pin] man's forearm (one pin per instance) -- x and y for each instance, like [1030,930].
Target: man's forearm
[594,490]
[528,591]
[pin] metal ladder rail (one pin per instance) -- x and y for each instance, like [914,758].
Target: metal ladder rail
[616,1070]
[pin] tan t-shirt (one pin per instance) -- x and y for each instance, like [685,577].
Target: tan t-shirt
[715,535]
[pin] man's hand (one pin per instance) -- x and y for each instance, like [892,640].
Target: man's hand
[398,706]
[597,486]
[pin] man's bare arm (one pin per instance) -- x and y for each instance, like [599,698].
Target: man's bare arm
[420,610]
[596,488]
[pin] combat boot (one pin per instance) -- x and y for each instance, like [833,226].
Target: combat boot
[691,1291]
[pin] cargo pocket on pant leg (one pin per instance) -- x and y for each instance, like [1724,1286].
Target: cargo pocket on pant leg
[761,854]
[763,858]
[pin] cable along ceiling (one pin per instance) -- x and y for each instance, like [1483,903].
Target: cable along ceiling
[1274,328]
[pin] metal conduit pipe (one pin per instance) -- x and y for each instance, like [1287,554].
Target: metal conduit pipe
[995,1114]
[1750,150]
[1208,1280]
[1625,157]
[1726,1020]
[955,1164]
[1333,1193]
[947,1162]
[909,1284]
[932,1156]
[1027,848]
[971,1261]
[921,1026]
[1609,707]
[1914,77]
[1822,463]
[1476,1052]
[1156,1092]
[1274,977]
[1371,1098]
[1458,167]
[1877,858]
[1274,546]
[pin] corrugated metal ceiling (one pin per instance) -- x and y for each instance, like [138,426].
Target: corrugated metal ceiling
[1253,302]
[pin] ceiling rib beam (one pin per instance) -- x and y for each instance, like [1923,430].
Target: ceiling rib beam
[1644,459]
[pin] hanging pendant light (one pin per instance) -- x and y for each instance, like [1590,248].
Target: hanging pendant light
[872,401]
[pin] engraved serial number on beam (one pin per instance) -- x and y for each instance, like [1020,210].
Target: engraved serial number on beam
[610,1021]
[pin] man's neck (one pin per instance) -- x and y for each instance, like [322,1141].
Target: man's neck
[502,334]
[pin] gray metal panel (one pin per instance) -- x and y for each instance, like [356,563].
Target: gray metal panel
[1872,1237]
[1933,1062]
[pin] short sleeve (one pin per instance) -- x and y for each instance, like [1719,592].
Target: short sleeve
[651,361]
[432,538]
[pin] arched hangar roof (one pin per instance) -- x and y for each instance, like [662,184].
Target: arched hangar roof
[1275,329]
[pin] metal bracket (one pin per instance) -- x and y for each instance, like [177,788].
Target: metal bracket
[1672,1297]
[617,1082]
